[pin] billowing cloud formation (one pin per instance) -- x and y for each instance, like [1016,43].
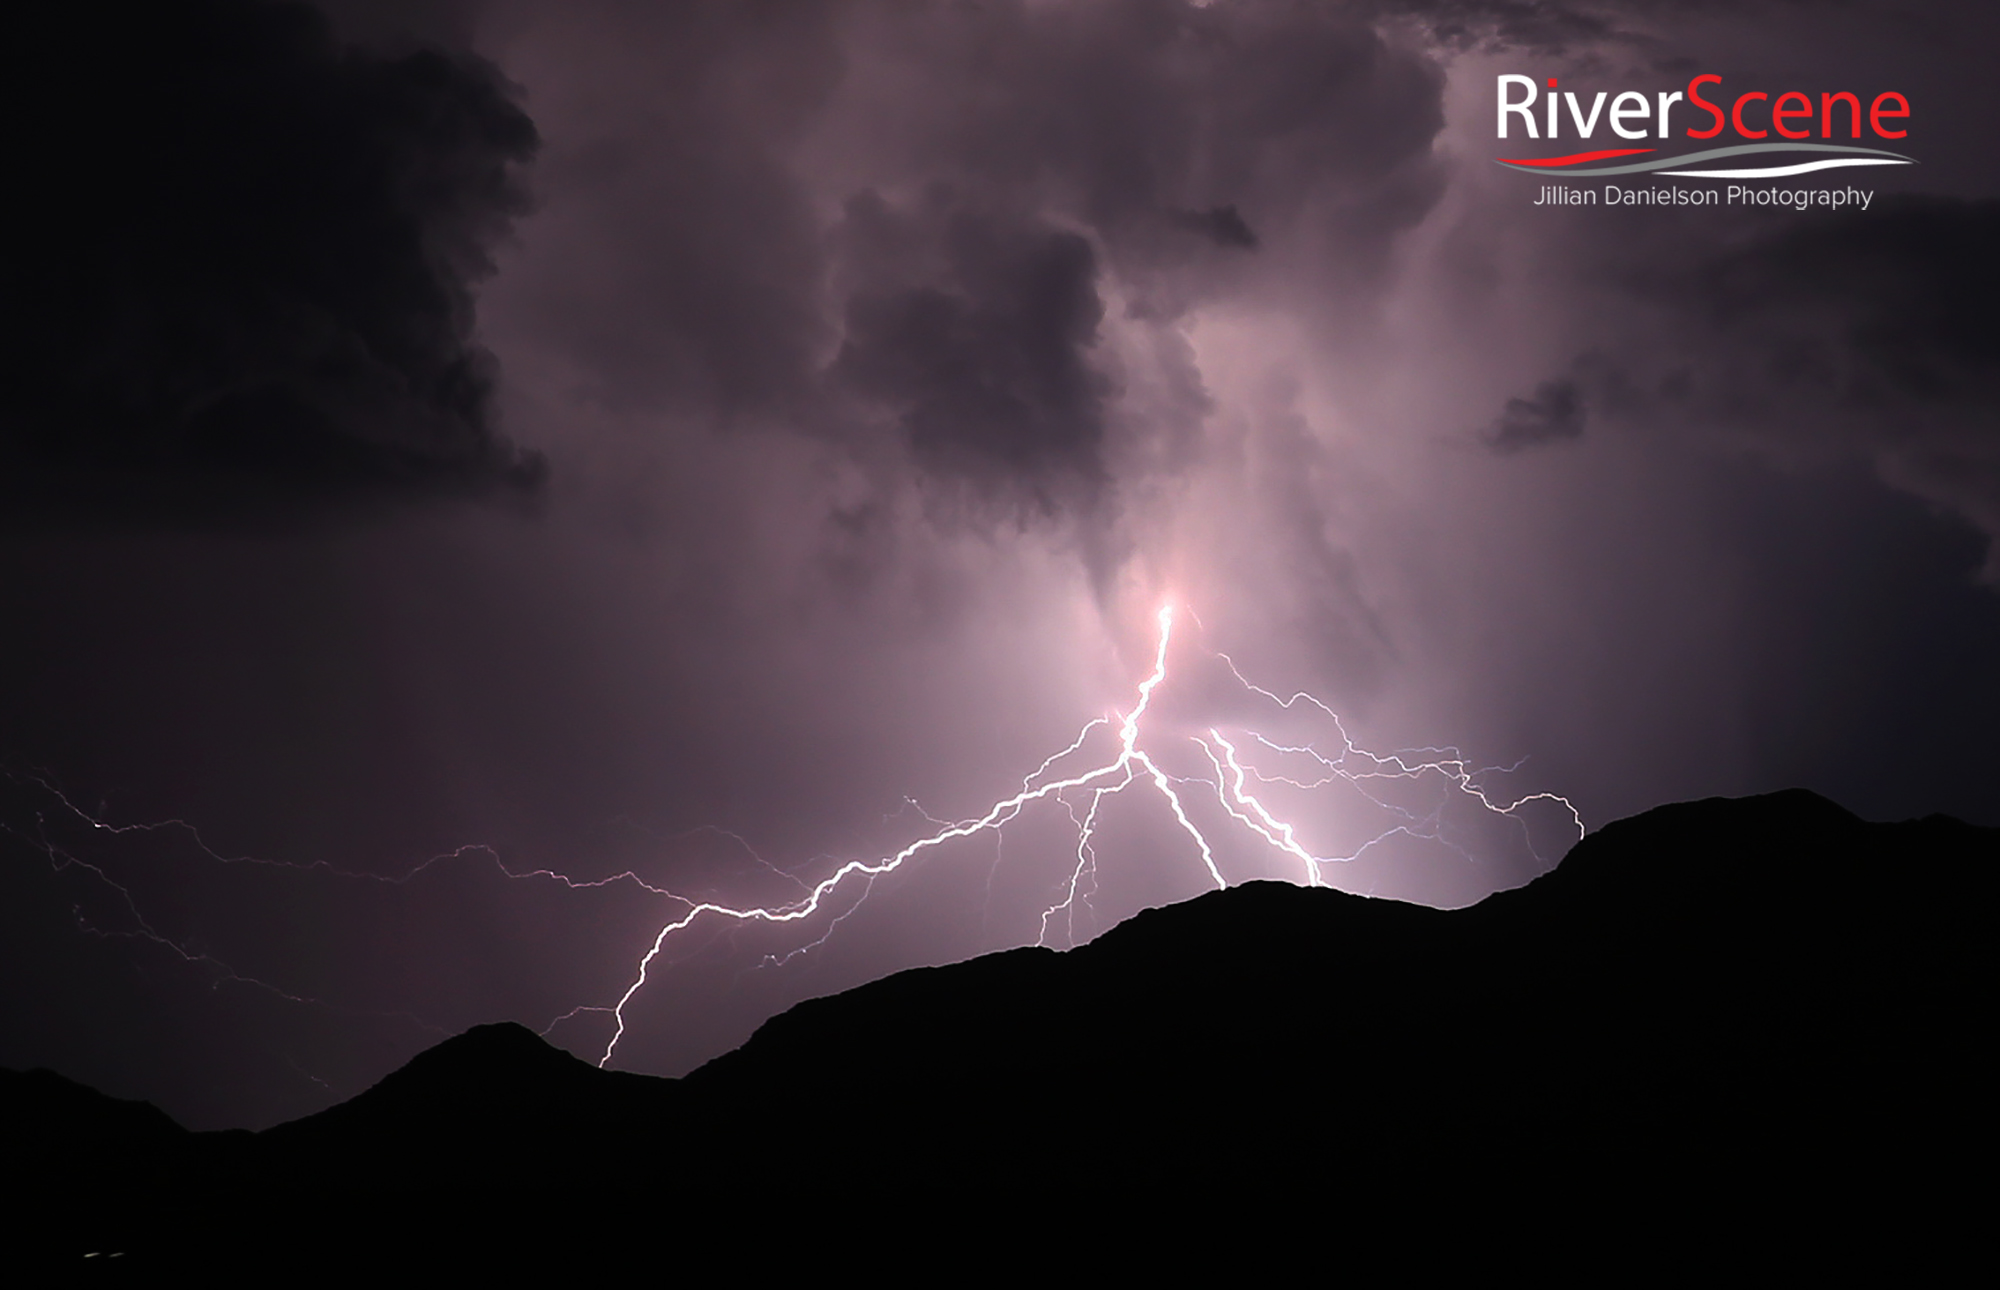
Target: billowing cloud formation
[241,257]
[911,222]
[986,365]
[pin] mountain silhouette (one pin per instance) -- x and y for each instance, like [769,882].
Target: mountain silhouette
[1731,1028]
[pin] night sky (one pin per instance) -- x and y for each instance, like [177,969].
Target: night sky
[708,442]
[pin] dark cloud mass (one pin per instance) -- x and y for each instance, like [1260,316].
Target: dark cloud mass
[1222,225]
[1880,334]
[908,213]
[241,256]
[987,365]
[1554,414]
[1818,338]
[894,362]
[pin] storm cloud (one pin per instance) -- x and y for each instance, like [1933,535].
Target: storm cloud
[986,367]
[894,240]
[241,259]
[1879,335]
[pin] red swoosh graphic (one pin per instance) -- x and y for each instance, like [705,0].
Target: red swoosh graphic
[1578,158]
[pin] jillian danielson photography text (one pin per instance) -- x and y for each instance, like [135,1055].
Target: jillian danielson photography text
[1733,195]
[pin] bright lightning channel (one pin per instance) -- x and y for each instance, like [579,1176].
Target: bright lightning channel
[1131,766]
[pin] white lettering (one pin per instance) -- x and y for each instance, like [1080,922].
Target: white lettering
[1584,127]
[1666,101]
[1522,107]
[1621,112]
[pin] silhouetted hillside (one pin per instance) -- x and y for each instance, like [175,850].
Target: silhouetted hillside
[1748,1025]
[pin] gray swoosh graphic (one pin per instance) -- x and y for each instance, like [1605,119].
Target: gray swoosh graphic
[1693,158]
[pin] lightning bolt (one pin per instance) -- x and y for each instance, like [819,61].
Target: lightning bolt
[1130,767]
[1236,784]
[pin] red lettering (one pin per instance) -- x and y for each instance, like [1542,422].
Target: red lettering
[1876,112]
[1695,98]
[1779,112]
[1736,115]
[1826,102]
